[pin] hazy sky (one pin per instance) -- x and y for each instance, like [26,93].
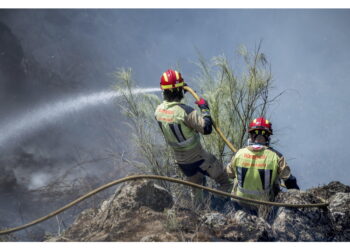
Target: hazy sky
[308,49]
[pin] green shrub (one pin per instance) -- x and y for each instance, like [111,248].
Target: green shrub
[155,155]
[235,98]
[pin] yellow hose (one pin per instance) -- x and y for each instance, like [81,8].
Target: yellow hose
[157,177]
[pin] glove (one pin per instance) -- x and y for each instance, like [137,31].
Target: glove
[204,107]
[202,104]
[291,183]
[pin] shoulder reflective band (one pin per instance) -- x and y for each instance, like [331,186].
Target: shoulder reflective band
[170,86]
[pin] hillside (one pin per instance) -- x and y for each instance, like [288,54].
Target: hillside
[143,211]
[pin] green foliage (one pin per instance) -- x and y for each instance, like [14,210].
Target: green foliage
[234,100]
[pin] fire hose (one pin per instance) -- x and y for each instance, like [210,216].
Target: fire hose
[164,178]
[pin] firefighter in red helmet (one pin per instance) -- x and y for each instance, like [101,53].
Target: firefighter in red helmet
[258,169]
[181,126]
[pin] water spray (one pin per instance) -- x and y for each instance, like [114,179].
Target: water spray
[39,117]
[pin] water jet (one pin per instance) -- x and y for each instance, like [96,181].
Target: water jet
[43,115]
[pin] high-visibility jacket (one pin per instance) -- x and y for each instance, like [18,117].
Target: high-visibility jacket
[181,125]
[256,170]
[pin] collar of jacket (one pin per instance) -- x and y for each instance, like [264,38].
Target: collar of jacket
[170,104]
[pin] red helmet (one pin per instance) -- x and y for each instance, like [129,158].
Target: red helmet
[260,124]
[171,79]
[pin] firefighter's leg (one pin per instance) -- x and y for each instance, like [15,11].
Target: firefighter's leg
[224,182]
[197,194]
[216,171]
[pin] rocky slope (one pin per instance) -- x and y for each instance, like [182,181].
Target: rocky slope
[143,211]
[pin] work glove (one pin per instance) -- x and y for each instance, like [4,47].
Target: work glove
[204,107]
[202,104]
[291,183]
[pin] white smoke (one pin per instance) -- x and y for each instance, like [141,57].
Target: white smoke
[38,180]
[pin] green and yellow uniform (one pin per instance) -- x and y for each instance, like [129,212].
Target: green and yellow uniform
[181,126]
[256,170]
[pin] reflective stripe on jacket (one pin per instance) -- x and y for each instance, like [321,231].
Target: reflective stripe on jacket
[257,168]
[180,125]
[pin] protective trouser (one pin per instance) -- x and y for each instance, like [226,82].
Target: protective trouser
[208,166]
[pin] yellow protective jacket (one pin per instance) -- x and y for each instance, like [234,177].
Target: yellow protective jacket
[256,171]
[181,125]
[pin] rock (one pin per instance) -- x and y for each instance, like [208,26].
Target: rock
[133,207]
[238,226]
[143,211]
[214,220]
[82,225]
[141,193]
[300,224]
[339,213]
[167,237]
[251,227]
[327,191]
[58,239]
[154,197]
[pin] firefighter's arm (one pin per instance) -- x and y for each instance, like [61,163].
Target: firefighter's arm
[284,173]
[201,123]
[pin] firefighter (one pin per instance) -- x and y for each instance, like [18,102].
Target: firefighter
[181,125]
[258,169]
